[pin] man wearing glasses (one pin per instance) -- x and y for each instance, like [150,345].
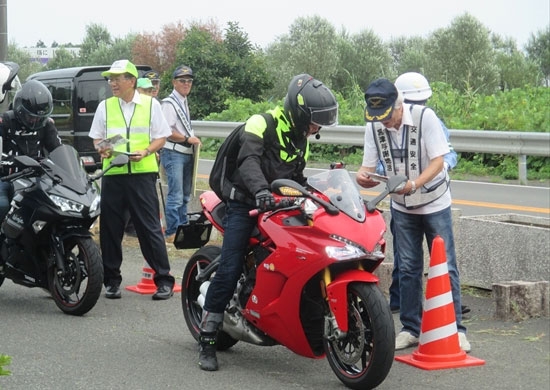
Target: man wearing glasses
[176,156]
[136,120]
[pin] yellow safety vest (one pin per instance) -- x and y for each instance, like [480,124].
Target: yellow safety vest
[137,133]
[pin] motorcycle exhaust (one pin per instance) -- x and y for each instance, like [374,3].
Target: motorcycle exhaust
[203,290]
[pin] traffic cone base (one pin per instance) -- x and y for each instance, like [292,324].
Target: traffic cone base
[147,285]
[438,344]
[440,362]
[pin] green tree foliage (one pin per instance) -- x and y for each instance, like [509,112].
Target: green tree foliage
[97,39]
[63,59]
[23,59]
[369,59]
[311,46]
[222,68]
[515,70]
[462,55]
[408,55]
[538,50]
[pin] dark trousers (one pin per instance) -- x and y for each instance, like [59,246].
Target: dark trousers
[135,195]
[238,226]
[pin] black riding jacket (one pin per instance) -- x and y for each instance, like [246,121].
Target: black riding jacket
[17,140]
[268,153]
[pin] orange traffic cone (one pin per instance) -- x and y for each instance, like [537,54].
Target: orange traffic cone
[438,346]
[147,285]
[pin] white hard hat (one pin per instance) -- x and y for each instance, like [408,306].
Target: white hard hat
[414,86]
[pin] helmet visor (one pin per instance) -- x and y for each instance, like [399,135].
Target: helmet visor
[324,116]
[32,121]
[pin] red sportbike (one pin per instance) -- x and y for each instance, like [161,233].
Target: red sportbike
[307,281]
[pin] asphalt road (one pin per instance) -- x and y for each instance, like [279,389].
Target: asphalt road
[136,343]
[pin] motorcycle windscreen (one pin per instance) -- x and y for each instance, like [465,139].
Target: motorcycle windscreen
[342,191]
[65,165]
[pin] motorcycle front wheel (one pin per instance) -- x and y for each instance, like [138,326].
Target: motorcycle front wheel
[77,289]
[363,358]
[192,311]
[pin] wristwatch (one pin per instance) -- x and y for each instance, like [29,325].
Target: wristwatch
[413,187]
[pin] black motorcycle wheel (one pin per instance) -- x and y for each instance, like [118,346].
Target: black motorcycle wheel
[77,290]
[363,358]
[192,311]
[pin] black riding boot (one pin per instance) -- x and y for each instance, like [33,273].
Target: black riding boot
[210,324]
[207,351]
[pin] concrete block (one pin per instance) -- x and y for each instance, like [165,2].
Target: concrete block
[498,247]
[520,300]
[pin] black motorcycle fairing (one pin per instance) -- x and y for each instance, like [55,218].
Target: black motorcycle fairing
[64,163]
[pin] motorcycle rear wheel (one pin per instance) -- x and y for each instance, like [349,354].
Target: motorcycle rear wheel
[192,311]
[78,290]
[363,359]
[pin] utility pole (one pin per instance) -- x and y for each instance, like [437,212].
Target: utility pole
[3,30]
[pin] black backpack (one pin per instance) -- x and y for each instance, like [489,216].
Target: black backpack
[225,163]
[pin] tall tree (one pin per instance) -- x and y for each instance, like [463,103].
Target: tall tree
[311,46]
[462,55]
[97,38]
[515,70]
[538,50]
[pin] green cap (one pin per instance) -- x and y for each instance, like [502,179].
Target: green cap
[121,67]
[144,83]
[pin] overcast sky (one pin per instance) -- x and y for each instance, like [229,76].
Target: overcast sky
[65,21]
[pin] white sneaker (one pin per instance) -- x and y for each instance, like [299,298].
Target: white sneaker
[405,340]
[463,342]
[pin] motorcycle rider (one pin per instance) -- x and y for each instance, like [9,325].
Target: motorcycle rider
[266,153]
[28,130]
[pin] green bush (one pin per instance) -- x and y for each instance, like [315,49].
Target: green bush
[5,360]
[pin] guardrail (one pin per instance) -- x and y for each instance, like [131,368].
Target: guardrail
[516,143]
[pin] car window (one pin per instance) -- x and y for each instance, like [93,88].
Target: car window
[62,101]
[90,93]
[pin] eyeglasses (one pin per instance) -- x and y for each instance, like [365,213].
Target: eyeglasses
[185,81]
[116,80]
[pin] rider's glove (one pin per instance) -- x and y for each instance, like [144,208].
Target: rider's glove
[264,199]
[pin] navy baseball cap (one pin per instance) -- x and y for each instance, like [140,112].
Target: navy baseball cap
[380,97]
[182,71]
[151,75]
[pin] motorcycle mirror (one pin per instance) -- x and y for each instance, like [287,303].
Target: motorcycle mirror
[27,161]
[396,183]
[119,161]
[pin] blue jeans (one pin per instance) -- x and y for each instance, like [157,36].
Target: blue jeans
[409,231]
[179,172]
[394,287]
[238,226]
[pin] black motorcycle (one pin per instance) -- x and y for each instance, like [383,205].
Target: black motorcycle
[45,239]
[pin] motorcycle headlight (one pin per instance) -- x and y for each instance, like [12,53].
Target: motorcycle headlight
[351,250]
[66,204]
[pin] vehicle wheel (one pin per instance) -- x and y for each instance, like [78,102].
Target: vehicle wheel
[77,290]
[363,358]
[192,311]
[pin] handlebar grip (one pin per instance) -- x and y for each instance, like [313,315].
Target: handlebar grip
[17,175]
[281,204]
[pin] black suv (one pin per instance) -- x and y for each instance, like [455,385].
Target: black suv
[76,94]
